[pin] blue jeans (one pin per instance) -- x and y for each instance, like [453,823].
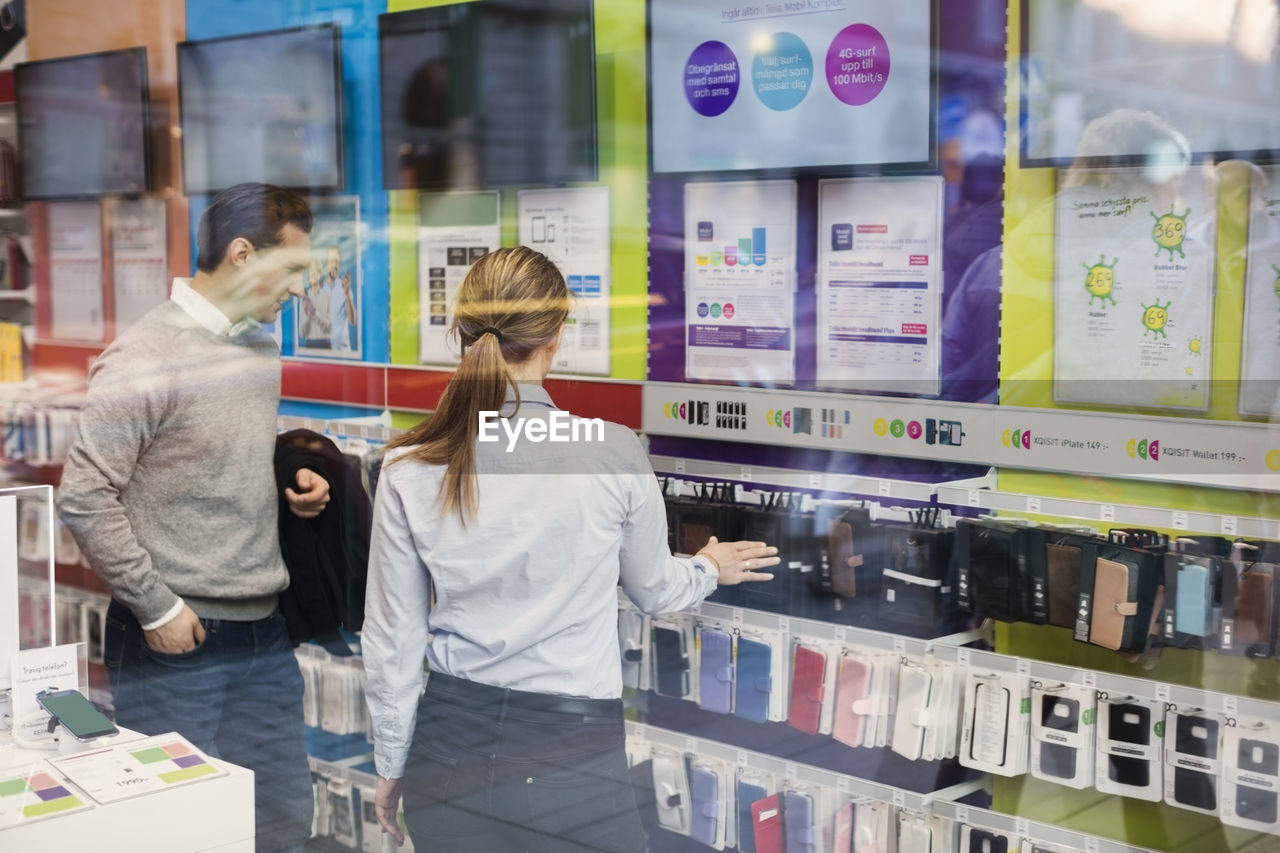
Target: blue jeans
[500,770]
[237,696]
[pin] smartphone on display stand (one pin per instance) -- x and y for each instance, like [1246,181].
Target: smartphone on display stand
[76,713]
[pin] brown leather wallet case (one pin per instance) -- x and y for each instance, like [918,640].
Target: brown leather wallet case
[1253,609]
[1064,583]
[693,537]
[840,547]
[1111,605]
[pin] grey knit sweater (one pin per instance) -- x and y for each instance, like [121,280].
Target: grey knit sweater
[169,486]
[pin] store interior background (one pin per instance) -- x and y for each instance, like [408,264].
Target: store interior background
[979,41]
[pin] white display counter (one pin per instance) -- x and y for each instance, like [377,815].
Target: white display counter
[214,814]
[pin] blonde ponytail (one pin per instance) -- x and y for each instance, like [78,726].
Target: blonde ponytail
[510,303]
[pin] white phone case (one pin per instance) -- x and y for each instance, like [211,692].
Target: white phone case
[914,834]
[914,685]
[671,790]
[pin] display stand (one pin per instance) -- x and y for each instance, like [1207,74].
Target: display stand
[212,815]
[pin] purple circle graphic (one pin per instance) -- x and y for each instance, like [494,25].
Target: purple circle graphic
[857,64]
[711,78]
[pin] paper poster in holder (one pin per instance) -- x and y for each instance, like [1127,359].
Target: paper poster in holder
[26,578]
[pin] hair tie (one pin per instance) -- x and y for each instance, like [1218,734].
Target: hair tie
[490,330]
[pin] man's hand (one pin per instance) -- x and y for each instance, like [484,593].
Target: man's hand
[386,804]
[179,635]
[311,496]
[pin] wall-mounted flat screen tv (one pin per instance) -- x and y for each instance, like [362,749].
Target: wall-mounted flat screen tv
[488,93]
[262,107]
[82,125]
[1118,83]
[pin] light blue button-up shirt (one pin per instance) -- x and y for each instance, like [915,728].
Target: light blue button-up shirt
[526,591]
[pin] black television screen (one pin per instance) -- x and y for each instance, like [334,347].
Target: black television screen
[488,93]
[82,125]
[262,107]
[1116,83]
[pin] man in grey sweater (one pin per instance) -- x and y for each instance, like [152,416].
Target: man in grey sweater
[170,492]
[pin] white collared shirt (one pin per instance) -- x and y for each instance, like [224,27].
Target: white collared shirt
[203,311]
[525,594]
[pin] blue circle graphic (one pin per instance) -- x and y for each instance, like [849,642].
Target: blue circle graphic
[782,73]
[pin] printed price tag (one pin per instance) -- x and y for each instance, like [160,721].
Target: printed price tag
[1229,525]
[1020,828]
[815,481]
[1230,705]
[789,770]
[641,731]
[742,758]
[1091,845]
[679,466]
[899,646]
[962,657]
[839,633]
[1023,667]
[737,616]
[975,497]
[886,488]
[696,609]
[1162,692]
[691,745]
[962,814]
[1179,521]
[1107,512]
[1090,679]
[899,799]
[745,474]
[843,785]
[784,624]
[1033,504]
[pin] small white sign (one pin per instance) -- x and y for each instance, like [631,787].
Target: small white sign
[34,670]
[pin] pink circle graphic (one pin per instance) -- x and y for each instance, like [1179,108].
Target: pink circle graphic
[728,310]
[857,64]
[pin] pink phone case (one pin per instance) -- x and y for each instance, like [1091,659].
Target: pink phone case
[810,667]
[852,705]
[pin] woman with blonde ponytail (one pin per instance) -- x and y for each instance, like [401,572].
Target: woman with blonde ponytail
[502,529]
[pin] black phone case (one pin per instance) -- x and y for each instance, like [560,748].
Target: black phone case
[671,663]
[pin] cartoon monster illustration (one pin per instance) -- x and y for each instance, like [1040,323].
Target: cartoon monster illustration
[1100,279]
[1195,346]
[1277,284]
[1169,232]
[1155,317]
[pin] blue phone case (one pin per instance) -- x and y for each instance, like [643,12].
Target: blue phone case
[717,671]
[797,822]
[704,789]
[748,793]
[1191,611]
[754,680]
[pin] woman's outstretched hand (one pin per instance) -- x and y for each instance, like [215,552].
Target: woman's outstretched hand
[740,562]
